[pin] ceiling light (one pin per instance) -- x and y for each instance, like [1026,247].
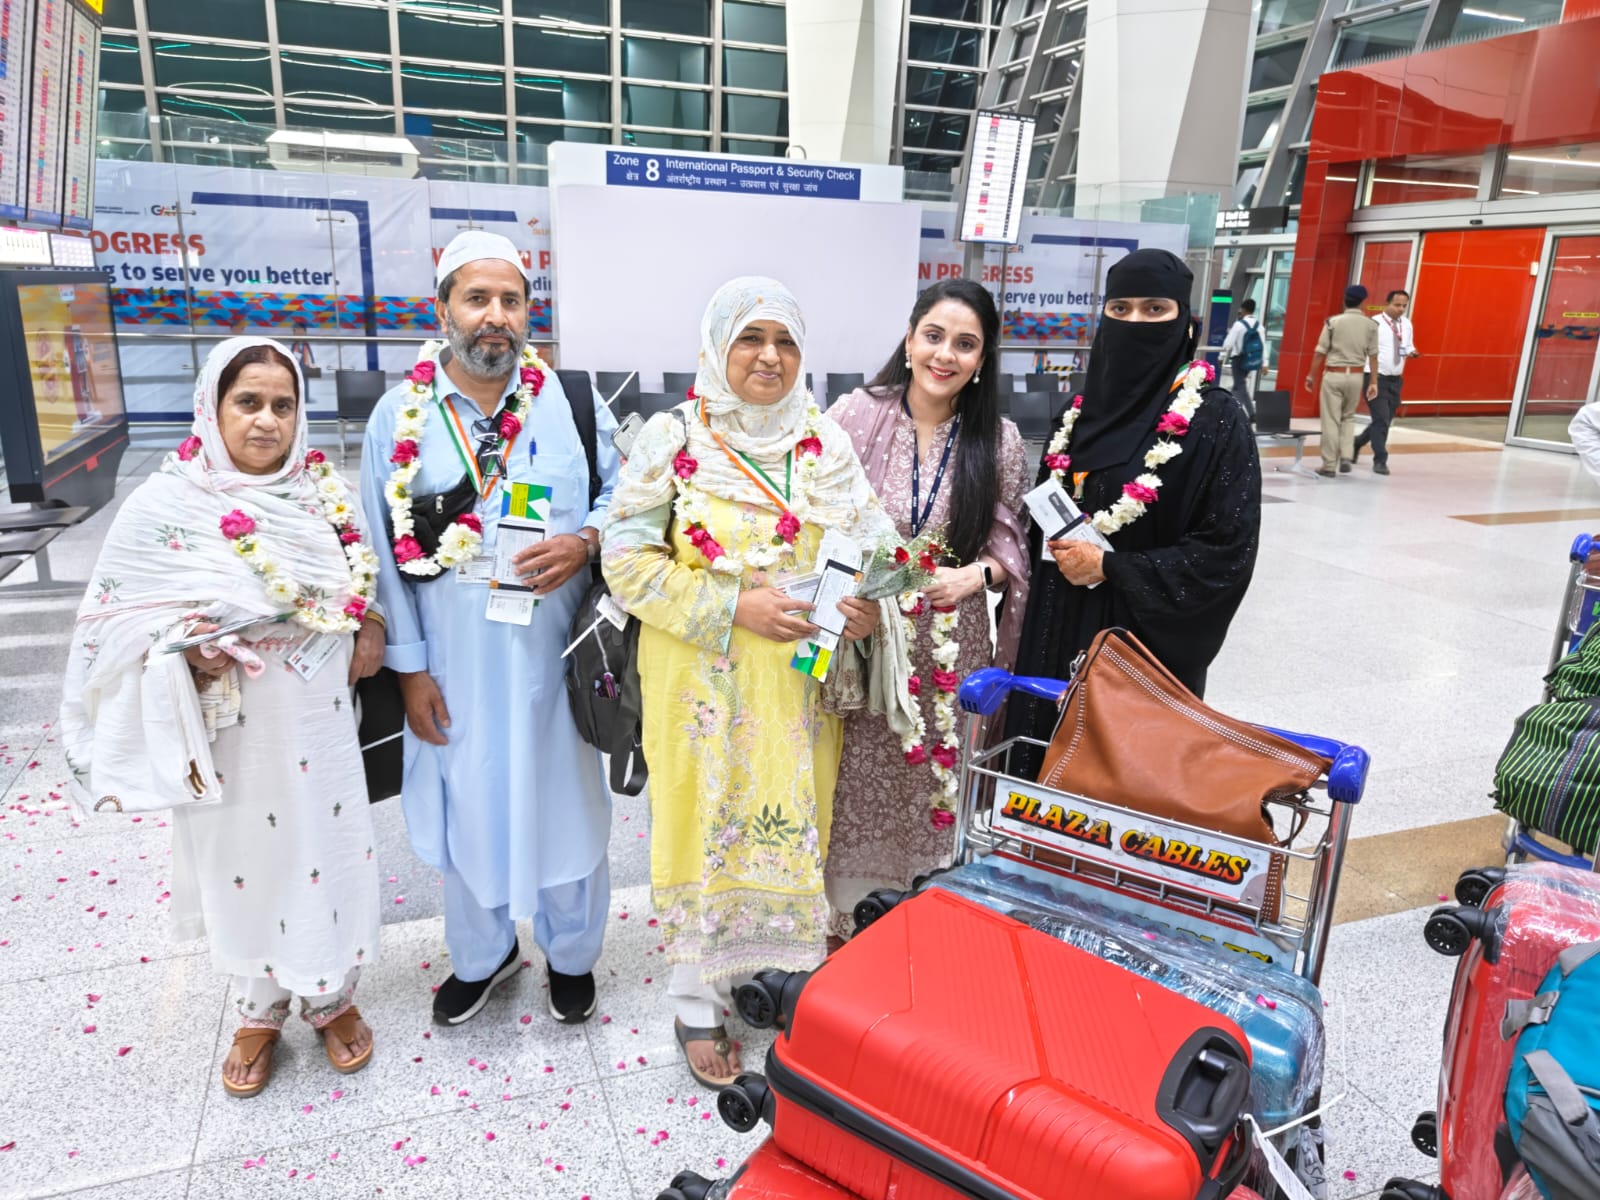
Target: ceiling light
[1557,162]
[1491,16]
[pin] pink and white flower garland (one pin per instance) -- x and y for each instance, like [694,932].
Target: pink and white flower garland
[312,608]
[1141,492]
[463,538]
[694,512]
[945,755]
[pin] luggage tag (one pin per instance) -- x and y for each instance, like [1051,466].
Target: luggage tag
[1282,1173]
[524,514]
[1055,513]
[309,657]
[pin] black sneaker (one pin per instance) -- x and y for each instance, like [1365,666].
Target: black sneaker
[459,1000]
[1380,468]
[572,997]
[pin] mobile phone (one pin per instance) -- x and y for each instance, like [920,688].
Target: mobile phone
[627,433]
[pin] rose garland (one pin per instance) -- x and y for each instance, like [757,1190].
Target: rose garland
[313,608]
[944,758]
[1141,492]
[463,538]
[694,511]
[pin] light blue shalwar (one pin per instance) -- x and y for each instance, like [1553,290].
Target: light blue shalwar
[514,811]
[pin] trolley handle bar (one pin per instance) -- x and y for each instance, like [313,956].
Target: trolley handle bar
[1581,545]
[1347,777]
[983,691]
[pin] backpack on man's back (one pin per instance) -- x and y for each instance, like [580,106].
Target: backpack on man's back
[1252,350]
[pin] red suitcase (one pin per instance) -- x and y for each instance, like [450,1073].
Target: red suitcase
[951,1053]
[1507,947]
[768,1174]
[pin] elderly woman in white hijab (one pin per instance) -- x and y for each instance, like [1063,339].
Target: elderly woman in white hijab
[722,499]
[248,734]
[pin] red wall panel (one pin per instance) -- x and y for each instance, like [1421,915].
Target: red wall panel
[1519,88]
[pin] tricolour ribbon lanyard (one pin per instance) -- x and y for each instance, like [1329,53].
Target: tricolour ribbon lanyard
[918,520]
[750,470]
[464,447]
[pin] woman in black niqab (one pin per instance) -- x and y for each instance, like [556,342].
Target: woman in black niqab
[1176,574]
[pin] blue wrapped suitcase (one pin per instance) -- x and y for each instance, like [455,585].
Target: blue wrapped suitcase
[1280,1012]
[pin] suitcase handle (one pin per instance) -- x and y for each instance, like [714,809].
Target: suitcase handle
[1205,1090]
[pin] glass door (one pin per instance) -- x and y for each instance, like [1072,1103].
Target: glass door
[1385,263]
[1561,361]
[1274,310]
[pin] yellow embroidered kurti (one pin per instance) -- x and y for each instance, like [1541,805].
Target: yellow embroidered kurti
[743,760]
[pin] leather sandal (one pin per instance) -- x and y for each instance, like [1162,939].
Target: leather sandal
[255,1041]
[343,1027]
[720,1045]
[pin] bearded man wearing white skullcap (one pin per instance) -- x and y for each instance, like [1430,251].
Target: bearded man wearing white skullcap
[501,796]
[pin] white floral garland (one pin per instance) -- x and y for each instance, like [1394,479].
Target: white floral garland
[945,652]
[312,607]
[463,538]
[1141,492]
[694,511]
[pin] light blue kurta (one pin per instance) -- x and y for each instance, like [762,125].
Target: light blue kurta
[516,801]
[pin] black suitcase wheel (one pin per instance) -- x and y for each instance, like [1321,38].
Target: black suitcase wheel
[874,905]
[686,1185]
[1425,1133]
[1448,931]
[1410,1189]
[743,1103]
[759,1002]
[1474,886]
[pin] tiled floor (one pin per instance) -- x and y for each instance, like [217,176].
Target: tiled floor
[1374,617]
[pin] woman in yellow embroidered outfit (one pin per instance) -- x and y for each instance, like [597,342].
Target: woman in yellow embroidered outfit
[722,498]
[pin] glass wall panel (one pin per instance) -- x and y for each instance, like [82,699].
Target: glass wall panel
[1387,35]
[672,62]
[689,17]
[586,12]
[315,76]
[760,23]
[1467,20]
[674,108]
[1261,126]
[941,164]
[1060,72]
[664,141]
[936,131]
[563,99]
[561,49]
[758,69]
[352,120]
[543,135]
[453,88]
[244,20]
[349,26]
[235,113]
[761,116]
[1073,25]
[119,60]
[114,103]
[1276,67]
[1280,14]
[1421,178]
[745,146]
[951,10]
[1021,44]
[212,68]
[459,33]
[119,14]
[1565,344]
[944,44]
[1549,170]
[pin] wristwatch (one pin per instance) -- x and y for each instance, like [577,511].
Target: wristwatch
[988,576]
[594,548]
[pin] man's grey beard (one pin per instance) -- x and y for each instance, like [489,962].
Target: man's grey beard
[479,360]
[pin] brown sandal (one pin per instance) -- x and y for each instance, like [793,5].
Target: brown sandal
[255,1041]
[343,1027]
[720,1046]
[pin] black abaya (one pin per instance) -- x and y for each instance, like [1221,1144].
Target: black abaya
[1178,573]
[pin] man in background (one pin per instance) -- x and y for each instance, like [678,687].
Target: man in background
[1349,347]
[1394,347]
[1243,350]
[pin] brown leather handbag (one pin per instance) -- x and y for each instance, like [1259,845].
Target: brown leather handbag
[1132,735]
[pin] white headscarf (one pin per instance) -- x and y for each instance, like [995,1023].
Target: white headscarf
[841,498]
[165,558]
